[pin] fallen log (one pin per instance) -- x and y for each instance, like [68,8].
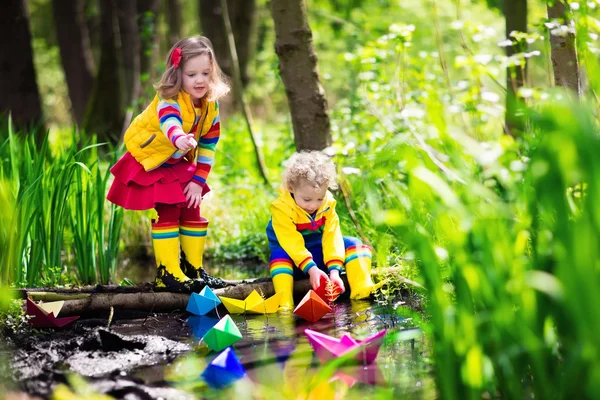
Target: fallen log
[101,298]
[98,302]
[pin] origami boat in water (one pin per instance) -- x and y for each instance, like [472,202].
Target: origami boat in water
[253,304]
[312,307]
[44,315]
[328,290]
[328,347]
[223,370]
[202,303]
[222,335]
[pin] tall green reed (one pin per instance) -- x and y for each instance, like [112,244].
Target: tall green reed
[57,196]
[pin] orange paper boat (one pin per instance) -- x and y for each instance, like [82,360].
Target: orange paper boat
[312,308]
[44,315]
[328,290]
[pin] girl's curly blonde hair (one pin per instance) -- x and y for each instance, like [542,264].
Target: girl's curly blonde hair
[171,81]
[312,167]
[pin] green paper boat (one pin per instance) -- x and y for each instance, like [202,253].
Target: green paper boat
[222,335]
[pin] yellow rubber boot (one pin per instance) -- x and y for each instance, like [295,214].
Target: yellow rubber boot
[283,282]
[358,270]
[192,235]
[165,239]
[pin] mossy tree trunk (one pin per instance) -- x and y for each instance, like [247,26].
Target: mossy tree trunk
[242,14]
[148,11]
[515,14]
[19,92]
[298,70]
[75,53]
[105,112]
[130,50]
[563,51]
[174,18]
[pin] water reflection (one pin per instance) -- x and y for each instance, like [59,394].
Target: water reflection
[280,362]
[200,324]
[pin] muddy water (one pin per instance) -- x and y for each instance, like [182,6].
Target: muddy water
[161,356]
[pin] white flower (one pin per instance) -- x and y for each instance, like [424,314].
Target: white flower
[412,113]
[505,43]
[574,6]
[351,171]
[490,96]
[462,85]
[483,58]
[457,24]
[532,54]
[525,92]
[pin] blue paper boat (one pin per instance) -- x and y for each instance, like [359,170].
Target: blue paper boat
[201,324]
[223,370]
[201,304]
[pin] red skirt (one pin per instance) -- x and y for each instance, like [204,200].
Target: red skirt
[134,188]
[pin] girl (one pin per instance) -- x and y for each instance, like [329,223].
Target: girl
[305,231]
[170,151]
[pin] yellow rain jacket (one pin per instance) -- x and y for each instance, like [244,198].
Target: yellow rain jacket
[292,228]
[150,146]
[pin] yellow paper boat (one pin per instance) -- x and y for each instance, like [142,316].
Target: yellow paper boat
[253,304]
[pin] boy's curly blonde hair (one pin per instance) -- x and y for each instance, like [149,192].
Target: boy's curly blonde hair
[312,167]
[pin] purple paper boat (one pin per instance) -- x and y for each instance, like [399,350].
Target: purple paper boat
[328,347]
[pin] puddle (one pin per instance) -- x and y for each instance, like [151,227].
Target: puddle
[158,355]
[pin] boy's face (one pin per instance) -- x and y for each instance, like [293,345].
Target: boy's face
[308,197]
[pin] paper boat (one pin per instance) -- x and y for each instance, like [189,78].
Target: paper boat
[312,308]
[254,304]
[328,347]
[223,370]
[328,291]
[222,335]
[44,315]
[202,303]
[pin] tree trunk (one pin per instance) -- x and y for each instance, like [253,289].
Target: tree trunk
[148,11]
[130,49]
[563,52]
[104,115]
[174,17]
[298,70]
[515,13]
[75,53]
[19,93]
[242,14]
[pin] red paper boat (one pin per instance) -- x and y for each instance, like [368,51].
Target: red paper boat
[312,308]
[328,290]
[328,347]
[44,315]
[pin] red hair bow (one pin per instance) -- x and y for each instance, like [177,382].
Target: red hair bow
[176,57]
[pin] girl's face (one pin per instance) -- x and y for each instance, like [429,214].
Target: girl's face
[196,76]
[308,197]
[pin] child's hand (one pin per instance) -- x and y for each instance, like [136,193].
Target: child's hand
[193,194]
[186,142]
[334,275]
[316,275]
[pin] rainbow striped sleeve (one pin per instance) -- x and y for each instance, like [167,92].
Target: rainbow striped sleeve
[206,151]
[169,117]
